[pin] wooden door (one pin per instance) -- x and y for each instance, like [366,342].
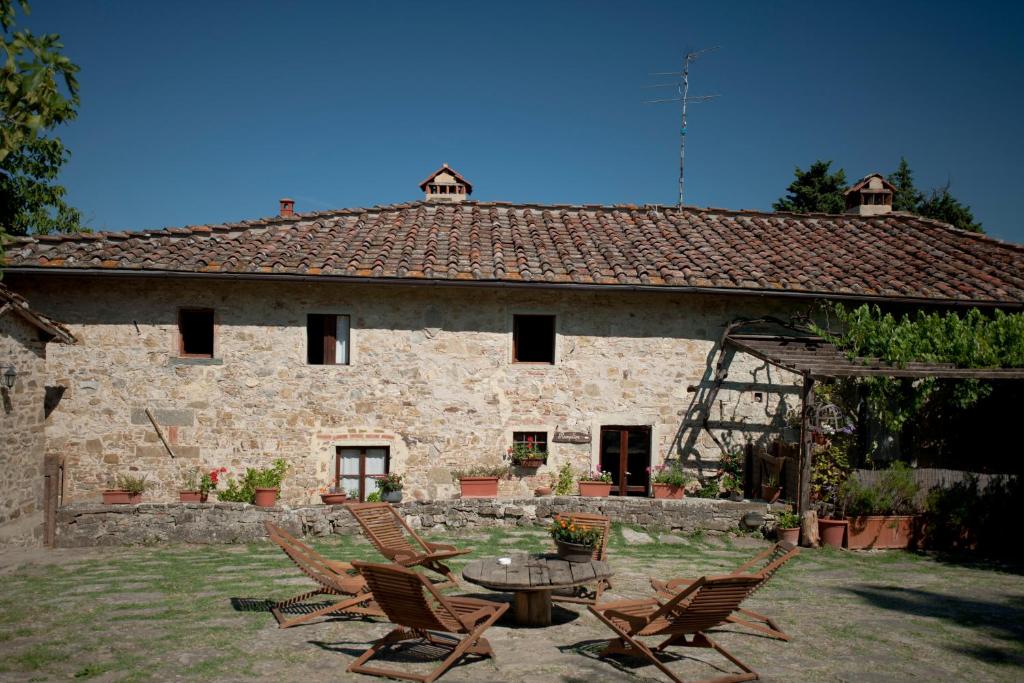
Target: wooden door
[625,452]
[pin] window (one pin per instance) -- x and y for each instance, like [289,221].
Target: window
[195,332]
[358,466]
[537,441]
[533,339]
[327,339]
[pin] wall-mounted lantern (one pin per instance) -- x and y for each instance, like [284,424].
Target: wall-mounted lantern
[8,376]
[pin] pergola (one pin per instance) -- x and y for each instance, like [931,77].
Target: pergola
[791,348]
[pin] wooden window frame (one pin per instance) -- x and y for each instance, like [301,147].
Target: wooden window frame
[362,466]
[515,340]
[534,433]
[329,337]
[213,333]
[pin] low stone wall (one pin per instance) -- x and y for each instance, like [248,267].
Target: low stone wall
[89,524]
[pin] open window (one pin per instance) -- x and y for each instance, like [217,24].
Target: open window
[195,333]
[533,339]
[327,339]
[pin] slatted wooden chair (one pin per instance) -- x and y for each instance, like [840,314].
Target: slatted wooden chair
[421,613]
[764,564]
[588,595]
[337,580]
[391,535]
[703,604]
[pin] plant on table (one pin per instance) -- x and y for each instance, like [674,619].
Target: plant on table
[564,531]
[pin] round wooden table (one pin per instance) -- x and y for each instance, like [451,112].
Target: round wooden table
[531,578]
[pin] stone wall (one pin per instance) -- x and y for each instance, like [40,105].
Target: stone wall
[87,524]
[430,377]
[22,431]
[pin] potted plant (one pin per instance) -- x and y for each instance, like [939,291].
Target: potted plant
[883,514]
[731,487]
[596,484]
[669,481]
[730,470]
[257,486]
[545,490]
[527,455]
[196,484]
[126,490]
[572,543]
[770,489]
[787,527]
[829,470]
[480,481]
[390,487]
[333,495]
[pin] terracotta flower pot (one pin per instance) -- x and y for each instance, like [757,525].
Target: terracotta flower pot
[770,493]
[832,532]
[120,497]
[542,491]
[791,535]
[880,531]
[574,552]
[595,489]
[266,498]
[478,487]
[192,496]
[670,491]
[530,463]
[334,498]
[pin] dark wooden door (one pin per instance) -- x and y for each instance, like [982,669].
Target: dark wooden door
[626,454]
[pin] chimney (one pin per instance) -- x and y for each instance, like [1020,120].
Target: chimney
[870,196]
[446,185]
[287,207]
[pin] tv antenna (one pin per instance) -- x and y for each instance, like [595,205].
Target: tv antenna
[682,87]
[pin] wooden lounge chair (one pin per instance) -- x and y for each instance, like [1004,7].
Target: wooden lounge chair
[387,530]
[765,564]
[703,604]
[584,594]
[421,613]
[335,579]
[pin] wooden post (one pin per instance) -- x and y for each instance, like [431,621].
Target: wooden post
[51,497]
[159,433]
[532,608]
[806,445]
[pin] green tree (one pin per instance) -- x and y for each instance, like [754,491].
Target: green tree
[907,197]
[815,190]
[38,91]
[943,206]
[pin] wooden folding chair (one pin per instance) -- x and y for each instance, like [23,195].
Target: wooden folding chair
[391,535]
[335,579]
[703,604]
[764,564]
[585,594]
[421,613]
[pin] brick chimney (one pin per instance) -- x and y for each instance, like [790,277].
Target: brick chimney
[287,207]
[870,196]
[446,185]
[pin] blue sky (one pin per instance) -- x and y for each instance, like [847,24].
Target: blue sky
[208,112]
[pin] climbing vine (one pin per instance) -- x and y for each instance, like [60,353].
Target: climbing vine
[973,340]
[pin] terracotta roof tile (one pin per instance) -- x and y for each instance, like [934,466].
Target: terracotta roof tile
[892,256]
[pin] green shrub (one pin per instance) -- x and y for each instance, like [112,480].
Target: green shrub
[968,517]
[373,497]
[893,494]
[499,471]
[709,489]
[787,520]
[671,474]
[131,484]
[563,487]
[244,490]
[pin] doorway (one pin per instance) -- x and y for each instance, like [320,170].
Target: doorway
[626,454]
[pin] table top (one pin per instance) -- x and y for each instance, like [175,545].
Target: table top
[534,572]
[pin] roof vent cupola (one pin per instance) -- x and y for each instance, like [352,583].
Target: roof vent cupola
[870,196]
[446,185]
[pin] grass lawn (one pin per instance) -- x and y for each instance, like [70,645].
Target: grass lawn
[198,613]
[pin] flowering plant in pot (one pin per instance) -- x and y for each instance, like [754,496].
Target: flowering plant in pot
[574,544]
[669,480]
[196,484]
[596,484]
[829,469]
[390,486]
[480,481]
[730,470]
[126,490]
[787,527]
[333,495]
[528,455]
[731,487]
[257,486]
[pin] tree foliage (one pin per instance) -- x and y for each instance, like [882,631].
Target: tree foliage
[943,206]
[907,197]
[816,190]
[38,91]
[973,340]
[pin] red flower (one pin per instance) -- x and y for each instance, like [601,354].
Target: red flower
[223,469]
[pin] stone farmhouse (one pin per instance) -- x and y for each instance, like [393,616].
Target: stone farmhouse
[428,336]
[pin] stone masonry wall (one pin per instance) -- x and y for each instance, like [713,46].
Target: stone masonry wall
[22,428]
[89,524]
[430,377]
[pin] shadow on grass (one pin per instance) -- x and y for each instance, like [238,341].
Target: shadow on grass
[407,652]
[633,666]
[1002,621]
